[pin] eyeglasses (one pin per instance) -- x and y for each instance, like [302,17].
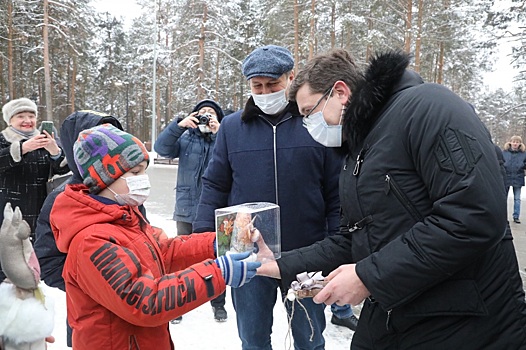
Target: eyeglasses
[319,101]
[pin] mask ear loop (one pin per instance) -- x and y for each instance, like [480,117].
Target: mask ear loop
[327,101]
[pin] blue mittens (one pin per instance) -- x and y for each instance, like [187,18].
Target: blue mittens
[235,271]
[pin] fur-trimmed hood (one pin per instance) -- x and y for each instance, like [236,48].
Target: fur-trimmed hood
[385,75]
[507,147]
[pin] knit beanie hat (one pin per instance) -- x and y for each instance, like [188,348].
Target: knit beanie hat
[14,107]
[104,153]
[212,104]
[268,61]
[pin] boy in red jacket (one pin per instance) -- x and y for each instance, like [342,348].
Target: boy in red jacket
[125,280]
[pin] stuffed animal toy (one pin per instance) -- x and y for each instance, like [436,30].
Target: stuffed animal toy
[26,316]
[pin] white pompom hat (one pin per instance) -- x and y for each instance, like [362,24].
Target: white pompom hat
[14,107]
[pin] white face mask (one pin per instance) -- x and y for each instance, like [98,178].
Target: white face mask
[321,132]
[139,190]
[272,103]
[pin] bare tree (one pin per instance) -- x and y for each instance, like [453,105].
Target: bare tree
[47,69]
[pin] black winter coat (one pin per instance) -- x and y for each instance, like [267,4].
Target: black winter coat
[422,194]
[23,177]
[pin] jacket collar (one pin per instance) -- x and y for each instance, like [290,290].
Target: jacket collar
[12,136]
[385,76]
[252,111]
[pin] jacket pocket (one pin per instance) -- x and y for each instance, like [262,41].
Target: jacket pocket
[392,186]
[183,201]
[454,297]
[448,301]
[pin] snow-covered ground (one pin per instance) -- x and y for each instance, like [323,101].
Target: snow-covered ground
[199,330]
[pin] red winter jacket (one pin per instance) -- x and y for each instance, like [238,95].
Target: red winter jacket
[125,280]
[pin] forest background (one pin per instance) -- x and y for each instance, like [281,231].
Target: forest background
[67,56]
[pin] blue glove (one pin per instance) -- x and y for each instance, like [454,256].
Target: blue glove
[235,271]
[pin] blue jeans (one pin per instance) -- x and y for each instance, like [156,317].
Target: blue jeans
[516,201]
[341,312]
[254,305]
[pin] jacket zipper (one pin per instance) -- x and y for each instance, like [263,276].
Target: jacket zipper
[274,132]
[361,224]
[359,160]
[390,184]
[388,320]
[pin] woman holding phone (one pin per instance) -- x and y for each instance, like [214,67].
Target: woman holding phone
[26,155]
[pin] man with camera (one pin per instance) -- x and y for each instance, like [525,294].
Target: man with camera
[192,140]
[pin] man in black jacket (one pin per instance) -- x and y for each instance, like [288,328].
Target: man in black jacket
[425,247]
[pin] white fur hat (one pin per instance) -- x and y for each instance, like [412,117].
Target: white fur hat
[16,106]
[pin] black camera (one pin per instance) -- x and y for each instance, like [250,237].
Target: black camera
[204,119]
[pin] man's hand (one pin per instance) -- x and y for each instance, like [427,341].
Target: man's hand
[269,269]
[189,122]
[214,124]
[343,287]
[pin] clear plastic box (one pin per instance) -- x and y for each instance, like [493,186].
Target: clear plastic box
[249,226]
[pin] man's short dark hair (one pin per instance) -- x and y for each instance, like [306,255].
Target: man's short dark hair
[322,71]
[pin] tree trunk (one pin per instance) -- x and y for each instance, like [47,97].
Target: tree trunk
[333,25]
[72,84]
[201,69]
[408,26]
[442,50]
[2,82]
[440,63]
[312,28]
[10,55]
[418,43]
[218,77]
[346,43]
[369,50]
[296,34]
[47,68]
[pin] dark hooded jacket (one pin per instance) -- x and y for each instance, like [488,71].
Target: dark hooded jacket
[421,193]
[50,258]
[256,161]
[515,164]
[194,150]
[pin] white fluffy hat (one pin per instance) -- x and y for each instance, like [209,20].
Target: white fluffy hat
[16,106]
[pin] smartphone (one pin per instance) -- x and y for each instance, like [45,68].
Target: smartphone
[47,126]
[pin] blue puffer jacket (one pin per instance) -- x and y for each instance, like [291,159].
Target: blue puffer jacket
[255,161]
[194,150]
[515,164]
